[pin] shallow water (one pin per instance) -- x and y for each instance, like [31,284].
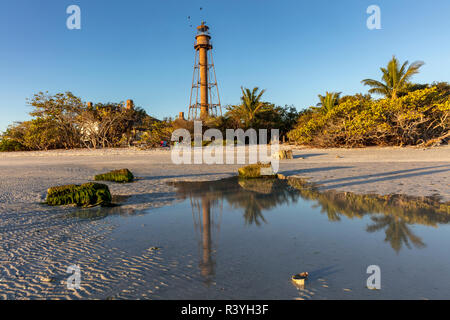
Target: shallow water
[244,240]
[232,239]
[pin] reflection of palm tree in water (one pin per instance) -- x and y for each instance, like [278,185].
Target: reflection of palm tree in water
[252,196]
[253,213]
[397,232]
[399,212]
[332,214]
[206,196]
[255,196]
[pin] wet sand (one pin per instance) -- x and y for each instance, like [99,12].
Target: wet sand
[38,243]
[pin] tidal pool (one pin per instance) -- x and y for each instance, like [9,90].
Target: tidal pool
[236,239]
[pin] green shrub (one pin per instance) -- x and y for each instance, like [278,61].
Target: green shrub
[7,145]
[415,118]
[254,171]
[88,194]
[155,133]
[122,175]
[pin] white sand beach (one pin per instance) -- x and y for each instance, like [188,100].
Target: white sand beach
[37,243]
[412,171]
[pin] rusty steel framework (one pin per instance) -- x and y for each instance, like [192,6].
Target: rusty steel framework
[207,103]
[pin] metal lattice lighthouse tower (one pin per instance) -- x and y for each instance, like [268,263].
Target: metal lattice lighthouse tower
[204,79]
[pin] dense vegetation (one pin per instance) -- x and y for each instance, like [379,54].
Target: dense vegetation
[418,117]
[406,114]
[63,121]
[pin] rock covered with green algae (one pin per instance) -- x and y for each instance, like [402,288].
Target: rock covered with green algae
[86,195]
[122,175]
[258,170]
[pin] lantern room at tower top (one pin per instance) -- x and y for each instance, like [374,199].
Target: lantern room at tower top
[203,37]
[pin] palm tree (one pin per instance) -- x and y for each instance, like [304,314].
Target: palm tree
[329,101]
[251,103]
[395,78]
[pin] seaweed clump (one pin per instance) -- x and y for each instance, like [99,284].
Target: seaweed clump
[122,175]
[258,170]
[85,195]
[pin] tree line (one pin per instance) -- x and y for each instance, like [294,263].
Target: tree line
[64,121]
[406,114]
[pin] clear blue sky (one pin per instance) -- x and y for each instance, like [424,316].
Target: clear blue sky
[143,49]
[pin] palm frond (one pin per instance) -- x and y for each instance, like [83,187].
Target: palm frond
[394,78]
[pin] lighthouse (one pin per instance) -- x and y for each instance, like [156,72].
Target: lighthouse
[204,79]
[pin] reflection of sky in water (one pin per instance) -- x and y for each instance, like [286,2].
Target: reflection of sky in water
[247,238]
